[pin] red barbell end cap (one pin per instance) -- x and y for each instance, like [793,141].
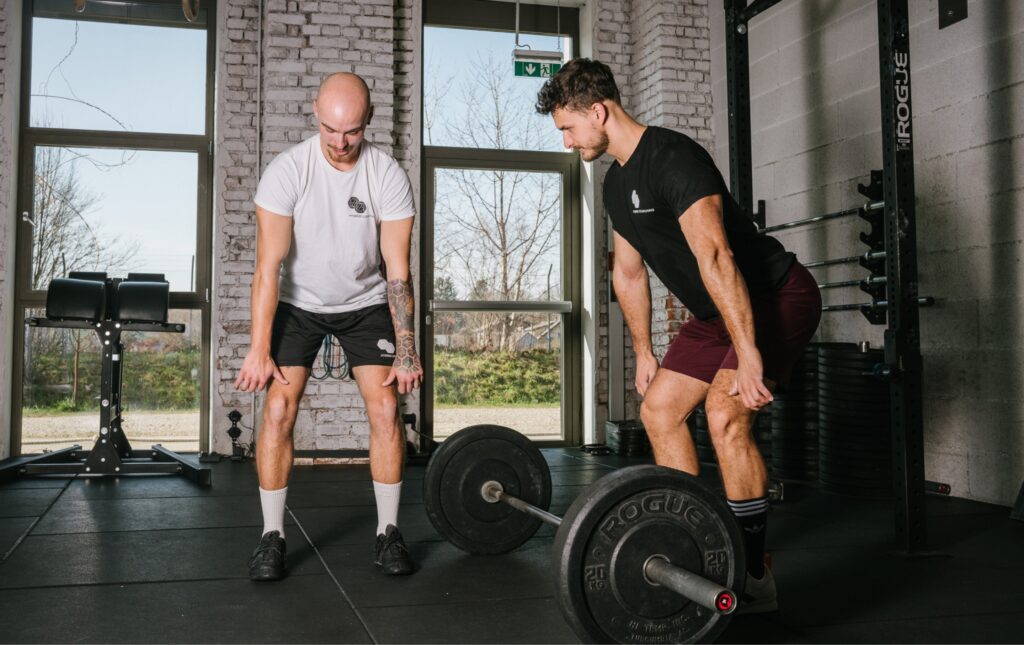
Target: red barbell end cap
[725,602]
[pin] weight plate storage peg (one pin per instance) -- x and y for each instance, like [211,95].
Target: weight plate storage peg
[623,530]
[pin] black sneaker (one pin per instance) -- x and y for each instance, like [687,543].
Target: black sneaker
[267,561]
[391,554]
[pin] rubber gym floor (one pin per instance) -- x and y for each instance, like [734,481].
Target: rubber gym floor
[158,559]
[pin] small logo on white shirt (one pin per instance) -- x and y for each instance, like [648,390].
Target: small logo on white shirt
[358,206]
[386,346]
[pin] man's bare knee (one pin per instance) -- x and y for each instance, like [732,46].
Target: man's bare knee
[649,416]
[658,413]
[279,416]
[727,423]
[383,414]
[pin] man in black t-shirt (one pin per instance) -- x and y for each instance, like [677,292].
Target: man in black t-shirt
[755,306]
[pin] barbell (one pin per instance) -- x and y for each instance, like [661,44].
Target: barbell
[646,554]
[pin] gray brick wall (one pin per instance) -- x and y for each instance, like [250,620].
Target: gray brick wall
[407,125]
[9,89]
[610,40]
[814,83]
[302,42]
[235,229]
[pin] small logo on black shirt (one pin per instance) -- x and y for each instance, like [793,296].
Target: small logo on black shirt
[636,204]
[358,206]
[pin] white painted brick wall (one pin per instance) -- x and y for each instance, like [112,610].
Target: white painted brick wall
[646,44]
[408,90]
[302,43]
[659,52]
[609,33]
[8,153]
[816,131]
[380,39]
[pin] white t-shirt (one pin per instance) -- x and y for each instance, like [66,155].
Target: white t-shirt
[334,264]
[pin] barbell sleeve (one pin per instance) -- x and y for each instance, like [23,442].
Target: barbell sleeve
[689,585]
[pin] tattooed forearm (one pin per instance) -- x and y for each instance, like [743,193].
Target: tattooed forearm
[405,353]
[401,304]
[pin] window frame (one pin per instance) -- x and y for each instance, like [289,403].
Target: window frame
[151,13]
[496,15]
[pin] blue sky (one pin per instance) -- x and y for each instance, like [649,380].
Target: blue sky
[150,79]
[455,53]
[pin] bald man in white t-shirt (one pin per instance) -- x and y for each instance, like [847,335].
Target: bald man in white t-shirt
[334,216]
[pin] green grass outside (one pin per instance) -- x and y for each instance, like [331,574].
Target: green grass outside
[506,379]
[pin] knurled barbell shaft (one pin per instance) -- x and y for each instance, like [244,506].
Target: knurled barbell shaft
[657,569]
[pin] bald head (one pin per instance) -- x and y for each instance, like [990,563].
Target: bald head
[344,86]
[342,106]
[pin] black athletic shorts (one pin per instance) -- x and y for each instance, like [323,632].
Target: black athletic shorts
[367,335]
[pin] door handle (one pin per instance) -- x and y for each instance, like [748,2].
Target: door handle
[25,217]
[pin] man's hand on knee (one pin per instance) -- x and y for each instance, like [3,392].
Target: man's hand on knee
[646,368]
[749,384]
[406,371]
[257,371]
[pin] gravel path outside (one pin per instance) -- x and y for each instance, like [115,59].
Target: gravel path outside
[180,430]
[536,423]
[175,430]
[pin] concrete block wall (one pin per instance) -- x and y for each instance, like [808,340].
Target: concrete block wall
[301,41]
[816,133]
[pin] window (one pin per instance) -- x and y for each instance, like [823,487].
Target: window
[501,226]
[114,176]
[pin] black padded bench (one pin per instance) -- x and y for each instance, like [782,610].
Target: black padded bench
[108,306]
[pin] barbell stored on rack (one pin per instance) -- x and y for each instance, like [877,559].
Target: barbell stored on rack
[858,210]
[870,256]
[923,301]
[864,282]
[645,554]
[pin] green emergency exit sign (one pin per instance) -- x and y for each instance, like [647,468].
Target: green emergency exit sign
[536,70]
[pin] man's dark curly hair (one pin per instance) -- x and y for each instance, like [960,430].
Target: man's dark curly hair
[579,84]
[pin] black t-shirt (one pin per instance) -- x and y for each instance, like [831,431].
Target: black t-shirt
[666,174]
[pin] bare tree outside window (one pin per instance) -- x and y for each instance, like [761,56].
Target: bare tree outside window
[64,240]
[497,236]
[115,210]
[499,231]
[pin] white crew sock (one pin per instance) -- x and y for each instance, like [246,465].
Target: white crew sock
[387,496]
[273,509]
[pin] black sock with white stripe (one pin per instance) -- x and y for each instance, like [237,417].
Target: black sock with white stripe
[752,516]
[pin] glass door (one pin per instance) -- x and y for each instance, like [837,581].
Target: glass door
[503,295]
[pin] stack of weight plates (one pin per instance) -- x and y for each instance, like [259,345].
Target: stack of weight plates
[763,435]
[627,438]
[794,419]
[698,423]
[854,430]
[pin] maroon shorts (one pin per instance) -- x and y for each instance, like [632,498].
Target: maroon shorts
[784,322]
